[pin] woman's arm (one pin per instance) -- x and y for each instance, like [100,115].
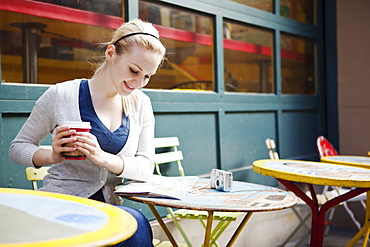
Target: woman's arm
[140,166]
[39,124]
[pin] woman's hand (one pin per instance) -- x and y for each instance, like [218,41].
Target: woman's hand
[63,135]
[89,145]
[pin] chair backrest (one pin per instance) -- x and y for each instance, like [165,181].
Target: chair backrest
[171,154]
[34,174]
[324,147]
[270,144]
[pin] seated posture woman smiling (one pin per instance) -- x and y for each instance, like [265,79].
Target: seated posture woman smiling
[121,141]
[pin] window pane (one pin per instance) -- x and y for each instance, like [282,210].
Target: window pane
[188,37]
[248,53]
[108,7]
[47,47]
[298,65]
[299,10]
[266,5]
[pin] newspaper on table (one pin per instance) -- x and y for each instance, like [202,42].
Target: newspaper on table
[159,187]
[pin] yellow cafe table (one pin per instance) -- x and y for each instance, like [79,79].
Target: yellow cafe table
[35,218]
[358,161]
[350,160]
[288,172]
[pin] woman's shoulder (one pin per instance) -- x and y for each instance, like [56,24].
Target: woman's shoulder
[70,83]
[61,90]
[66,85]
[68,89]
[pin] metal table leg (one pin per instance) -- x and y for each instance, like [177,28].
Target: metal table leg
[318,214]
[365,230]
[163,225]
[207,236]
[239,229]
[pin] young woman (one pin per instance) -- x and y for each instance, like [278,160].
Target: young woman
[120,143]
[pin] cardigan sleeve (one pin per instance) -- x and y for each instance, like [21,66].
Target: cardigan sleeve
[140,166]
[39,124]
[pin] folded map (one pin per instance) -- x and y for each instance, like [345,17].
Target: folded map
[159,187]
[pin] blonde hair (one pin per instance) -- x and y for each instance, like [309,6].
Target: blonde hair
[149,41]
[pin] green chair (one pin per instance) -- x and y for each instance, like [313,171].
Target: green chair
[169,154]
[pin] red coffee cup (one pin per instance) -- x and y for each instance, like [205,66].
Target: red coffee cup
[79,127]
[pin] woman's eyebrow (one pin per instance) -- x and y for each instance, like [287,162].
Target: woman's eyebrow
[137,66]
[142,69]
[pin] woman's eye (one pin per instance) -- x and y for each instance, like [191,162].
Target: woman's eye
[133,71]
[147,77]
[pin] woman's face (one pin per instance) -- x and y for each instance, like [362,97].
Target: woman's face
[132,69]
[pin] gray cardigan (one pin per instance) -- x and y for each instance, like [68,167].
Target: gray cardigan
[82,178]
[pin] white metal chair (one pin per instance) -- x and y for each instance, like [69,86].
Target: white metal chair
[325,148]
[172,155]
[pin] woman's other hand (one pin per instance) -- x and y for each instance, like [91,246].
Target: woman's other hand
[89,145]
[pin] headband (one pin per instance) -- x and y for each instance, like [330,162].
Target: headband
[131,34]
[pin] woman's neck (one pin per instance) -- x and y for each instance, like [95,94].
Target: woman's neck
[107,103]
[101,88]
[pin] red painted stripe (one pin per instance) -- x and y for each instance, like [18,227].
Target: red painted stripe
[246,47]
[182,35]
[286,54]
[62,13]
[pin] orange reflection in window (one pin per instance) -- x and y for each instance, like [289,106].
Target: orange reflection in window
[297,65]
[188,37]
[248,58]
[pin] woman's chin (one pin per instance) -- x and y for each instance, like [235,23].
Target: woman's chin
[126,92]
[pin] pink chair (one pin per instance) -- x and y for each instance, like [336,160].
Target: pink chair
[325,148]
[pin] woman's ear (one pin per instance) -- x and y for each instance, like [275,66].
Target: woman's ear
[110,52]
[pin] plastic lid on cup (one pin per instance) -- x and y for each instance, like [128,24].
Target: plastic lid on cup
[77,124]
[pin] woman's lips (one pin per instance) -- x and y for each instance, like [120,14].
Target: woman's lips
[129,86]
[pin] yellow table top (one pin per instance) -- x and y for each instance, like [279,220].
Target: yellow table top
[35,218]
[351,160]
[319,173]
